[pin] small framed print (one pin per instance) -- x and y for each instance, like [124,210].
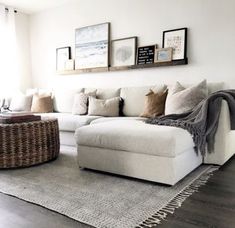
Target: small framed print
[177,39]
[163,55]
[69,65]
[62,56]
[123,52]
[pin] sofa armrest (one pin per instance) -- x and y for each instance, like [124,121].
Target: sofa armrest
[224,147]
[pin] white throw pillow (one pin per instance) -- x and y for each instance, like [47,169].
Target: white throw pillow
[99,107]
[80,104]
[21,103]
[180,100]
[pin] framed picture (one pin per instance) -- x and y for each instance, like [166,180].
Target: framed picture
[123,51]
[163,55]
[146,54]
[62,56]
[92,46]
[177,39]
[69,65]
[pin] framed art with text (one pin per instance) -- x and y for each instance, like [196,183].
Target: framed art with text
[92,46]
[146,54]
[63,54]
[176,39]
[123,51]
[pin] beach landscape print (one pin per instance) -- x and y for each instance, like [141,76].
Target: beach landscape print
[92,46]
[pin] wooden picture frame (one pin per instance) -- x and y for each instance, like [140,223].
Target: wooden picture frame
[63,54]
[123,52]
[177,39]
[92,46]
[163,55]
[146,54]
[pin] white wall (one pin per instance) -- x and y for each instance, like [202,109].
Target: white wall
[23,46]
[211,39]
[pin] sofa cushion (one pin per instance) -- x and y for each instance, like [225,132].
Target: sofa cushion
[21,102]
[181,99]
[135,136]
[69,122]
[215,86]
[40,92]
[107,93]
[134,98]
[107,119]
[63,99]
[104,93]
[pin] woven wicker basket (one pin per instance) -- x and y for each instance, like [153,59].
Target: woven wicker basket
[27,144]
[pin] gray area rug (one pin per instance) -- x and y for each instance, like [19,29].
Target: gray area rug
[98,199]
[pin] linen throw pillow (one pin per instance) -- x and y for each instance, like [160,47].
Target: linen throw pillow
[154,104]
[99,107]
[180,99]
[21,102]
[80,105]
[42,104]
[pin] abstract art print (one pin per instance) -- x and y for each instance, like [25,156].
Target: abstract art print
[123,52]
[92,46]
[177,39]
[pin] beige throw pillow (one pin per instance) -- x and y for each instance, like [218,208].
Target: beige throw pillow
[80,104]
[42,104]
[99,107]
[154,104]
[180,99]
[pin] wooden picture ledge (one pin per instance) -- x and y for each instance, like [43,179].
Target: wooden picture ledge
[123,68]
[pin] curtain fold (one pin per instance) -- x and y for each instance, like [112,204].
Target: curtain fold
[9,76]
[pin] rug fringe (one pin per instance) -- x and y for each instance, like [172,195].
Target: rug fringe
[177,201]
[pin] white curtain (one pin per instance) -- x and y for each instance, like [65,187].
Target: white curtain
[9,78]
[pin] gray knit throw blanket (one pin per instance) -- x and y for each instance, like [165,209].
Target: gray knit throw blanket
[202,121]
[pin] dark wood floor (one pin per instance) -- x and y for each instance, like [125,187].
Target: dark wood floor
[213,206]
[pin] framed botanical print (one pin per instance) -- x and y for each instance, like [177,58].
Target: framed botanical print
[92,46]
[63,54]
[177,39]
[123,51]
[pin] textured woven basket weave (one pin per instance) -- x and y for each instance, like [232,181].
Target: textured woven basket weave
[27,144]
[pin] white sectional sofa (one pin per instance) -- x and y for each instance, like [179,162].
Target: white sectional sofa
[127,146]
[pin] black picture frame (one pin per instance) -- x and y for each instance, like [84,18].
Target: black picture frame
[171,33]
[146,54]
[62,55]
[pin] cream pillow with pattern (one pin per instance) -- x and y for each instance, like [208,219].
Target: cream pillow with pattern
[80,104]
